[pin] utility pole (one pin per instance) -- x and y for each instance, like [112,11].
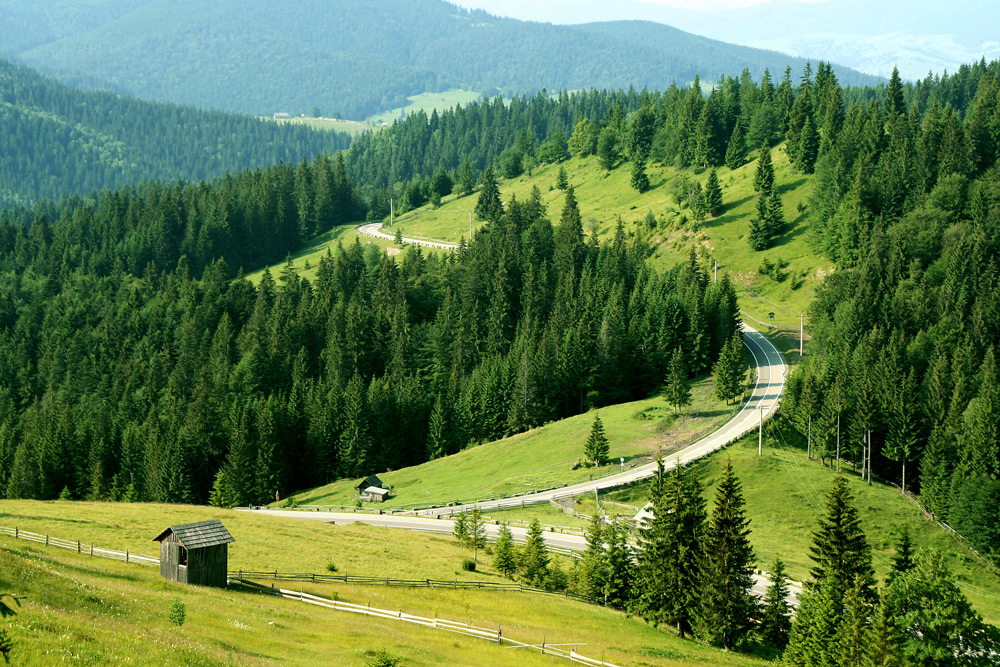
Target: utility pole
[390,212]
[802,340]
[716,270]
[760,434]
[809,439]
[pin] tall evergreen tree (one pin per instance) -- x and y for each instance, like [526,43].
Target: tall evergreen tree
[840,548]
[638,178]
[592,568]
[534,556]
[488,206]
[597,447]
[736,148]
[729,372]
[776,612]
[617,566]
[713,194]
[727,603]
[505,553]
[677,388]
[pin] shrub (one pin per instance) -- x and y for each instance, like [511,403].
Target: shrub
[177,613]
[382,658]
[331,567]
[469,565]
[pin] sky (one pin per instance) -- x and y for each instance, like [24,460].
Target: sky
[918,36]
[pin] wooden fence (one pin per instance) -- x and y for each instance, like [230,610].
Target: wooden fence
[79,547]
[458,627]
[244,575]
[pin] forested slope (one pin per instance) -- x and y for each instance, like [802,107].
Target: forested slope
[56,140]
[352,57]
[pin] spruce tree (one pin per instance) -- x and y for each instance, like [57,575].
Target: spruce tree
[812,638]
[639,178]
[854,636]
[505,553]
[727,603]
[902,562]
[775,214]
[808,149]
[618,572]
[668,571]
[597,447]
[763,178]
[677,390]
[713,194]
[534,556]
[562,180]
[729,372]
[776,612]
[607,148]
[736,149]
[840,548]
[461,528]
[476,531]
[437,436]
[488,206]
[592,568]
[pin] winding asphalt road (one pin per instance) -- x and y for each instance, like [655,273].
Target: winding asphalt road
[374,230]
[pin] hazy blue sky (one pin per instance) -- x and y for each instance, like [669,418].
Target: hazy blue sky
[870,35]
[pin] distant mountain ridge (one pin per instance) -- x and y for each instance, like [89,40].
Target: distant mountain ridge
[352,57]
[57,140]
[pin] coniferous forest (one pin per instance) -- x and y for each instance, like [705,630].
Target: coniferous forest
[57,141]
[137,363]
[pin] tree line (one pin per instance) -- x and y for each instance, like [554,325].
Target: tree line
[692,569]
[132,383]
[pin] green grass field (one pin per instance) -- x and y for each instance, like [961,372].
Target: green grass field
[351,127]
[98,611]
[543,457]
[427,102]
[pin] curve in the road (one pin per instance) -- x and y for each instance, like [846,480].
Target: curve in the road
[374,230]
[762,402]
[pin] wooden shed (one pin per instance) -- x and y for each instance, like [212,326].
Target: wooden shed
[371,480]
[195,553]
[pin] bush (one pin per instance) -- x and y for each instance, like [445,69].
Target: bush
[177,613]
[382,658]
[469,565]
[331,567]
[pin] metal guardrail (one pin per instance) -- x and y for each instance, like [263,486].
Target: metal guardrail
[79,546]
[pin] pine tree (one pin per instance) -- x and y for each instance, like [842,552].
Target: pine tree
[668,571]
[840,548]
[488,206]
[534,556]
[729,373]
[505,553]
[617,566]
[736,149]
[808,148]
[461,528]
[438,431]
[592,568]
[776,612]
[775,214]
[607,148]
[475,529]
[758,231]
[562,180]
[854,636]
[713,194]
[597,447]
[727,603]
[763,178]
[677,390]
[812,638]
[639,178]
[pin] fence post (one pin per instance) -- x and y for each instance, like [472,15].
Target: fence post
[78,546]
[15,532]
[91,550]
[126,555]
[46,540]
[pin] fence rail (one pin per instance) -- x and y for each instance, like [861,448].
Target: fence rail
[244,575]
[79,547]
[458,627]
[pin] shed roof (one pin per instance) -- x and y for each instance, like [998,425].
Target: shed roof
[198,535]
[376,491]
[372,480]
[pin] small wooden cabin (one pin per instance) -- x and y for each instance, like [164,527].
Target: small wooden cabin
[371,480]
[195,553]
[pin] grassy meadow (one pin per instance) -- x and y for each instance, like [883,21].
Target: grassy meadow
[99,611]
[543,457]
[427,102]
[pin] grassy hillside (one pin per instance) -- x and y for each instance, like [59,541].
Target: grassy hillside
[96,611]
[543,457]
